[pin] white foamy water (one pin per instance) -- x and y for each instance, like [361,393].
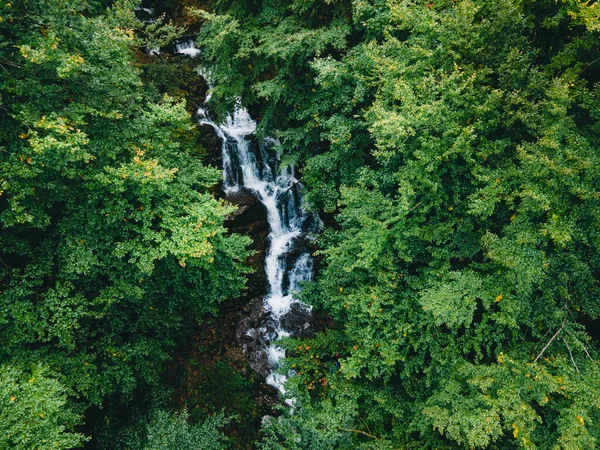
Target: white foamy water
[187,48]
[251,165]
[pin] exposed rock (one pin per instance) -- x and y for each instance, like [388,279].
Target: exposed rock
[267,402]
[300,320]
[250,338]
[250,219]
[250,211]
[212,145]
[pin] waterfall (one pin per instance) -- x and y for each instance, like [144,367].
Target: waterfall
[253,166]
[186,47]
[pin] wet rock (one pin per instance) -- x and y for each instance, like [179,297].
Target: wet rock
[250,336]
[269,400]
[250,211]
[299,321]
[257,327]
[242,198]
[250,219]
[212,145]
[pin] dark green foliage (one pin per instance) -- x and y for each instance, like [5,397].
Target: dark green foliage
[157,428]
[221,388]
[457,142]
[112,246]
[173,432]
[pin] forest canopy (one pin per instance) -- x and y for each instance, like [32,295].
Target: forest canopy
[112,244]
[455,144]
[451,148]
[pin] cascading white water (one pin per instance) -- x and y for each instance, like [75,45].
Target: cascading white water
[187,47]
[252,166]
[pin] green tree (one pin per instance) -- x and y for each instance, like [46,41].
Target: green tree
[173,432]
[457,144]
[157,428]
[34,411]
[112,245]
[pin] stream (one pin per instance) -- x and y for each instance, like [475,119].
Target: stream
[253,166]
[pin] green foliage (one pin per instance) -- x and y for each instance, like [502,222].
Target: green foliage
[457,144]
[221,388]
[154,426]
[34,411]
[112,246]
[173,432]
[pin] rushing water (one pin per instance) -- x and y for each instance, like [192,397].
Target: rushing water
[187,47]
[253,166]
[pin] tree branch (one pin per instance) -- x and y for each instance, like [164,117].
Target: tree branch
[580,343]
[571,354]
[358,432]
[551,339]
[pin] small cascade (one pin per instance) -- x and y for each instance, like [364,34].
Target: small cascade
[187,47]
[253,166]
